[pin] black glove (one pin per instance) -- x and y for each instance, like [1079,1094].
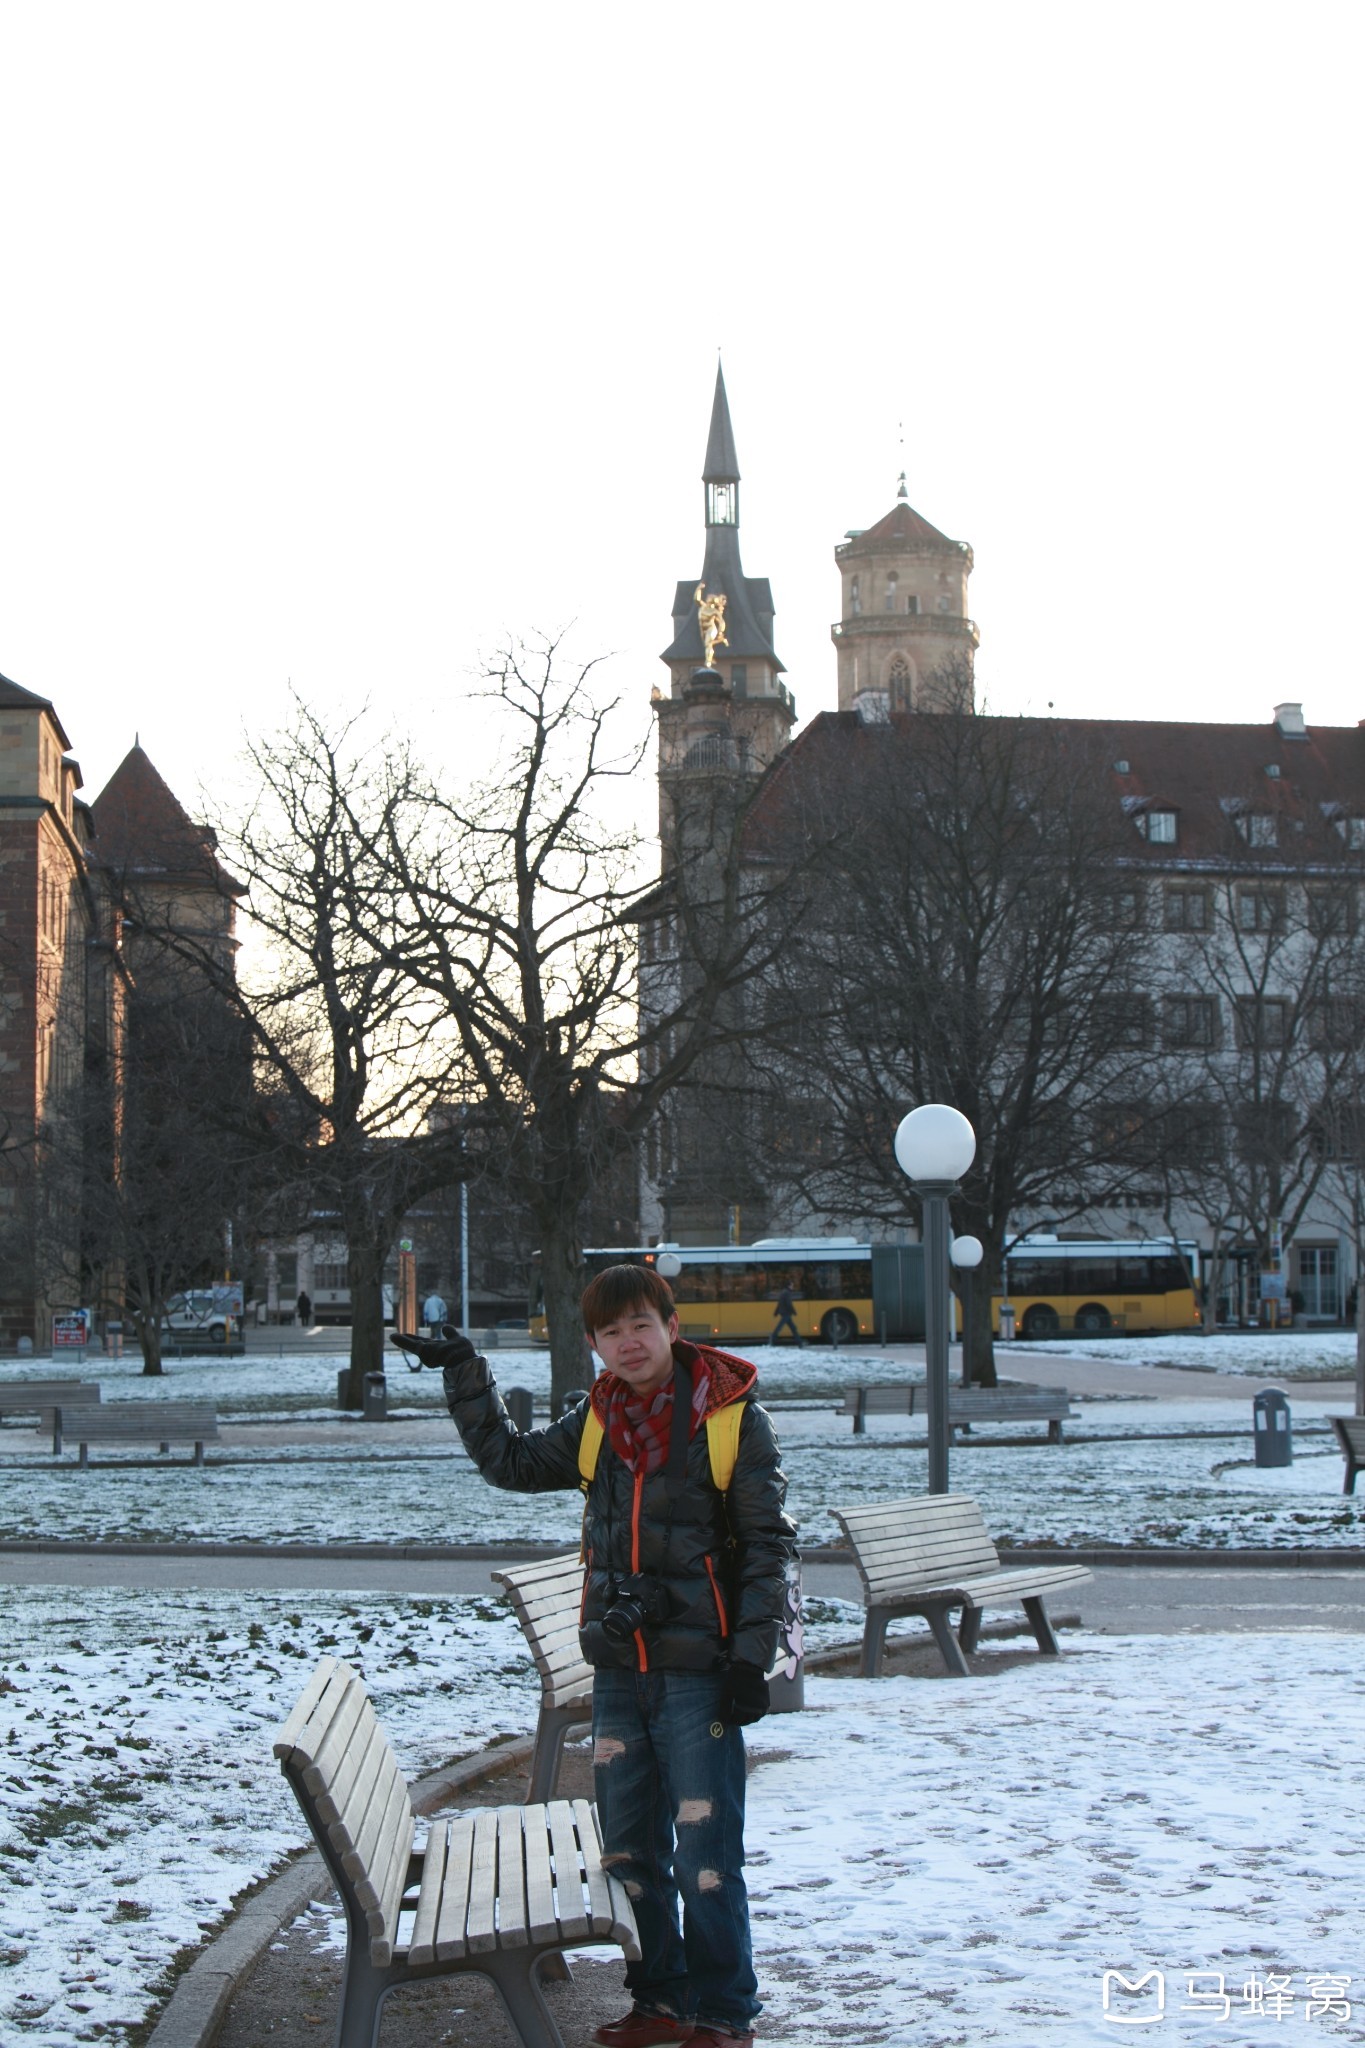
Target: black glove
[450,1348]
[745,1698]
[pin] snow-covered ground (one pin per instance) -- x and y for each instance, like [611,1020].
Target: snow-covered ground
[367,1488]
[931,1863]
[1261,1354]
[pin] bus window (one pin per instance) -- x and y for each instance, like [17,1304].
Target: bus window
[1090,1276]
[1035,1276]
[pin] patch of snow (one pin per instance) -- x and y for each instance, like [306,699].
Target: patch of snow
[1269,1355]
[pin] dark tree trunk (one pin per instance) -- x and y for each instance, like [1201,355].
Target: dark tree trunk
[981,1347]
[561,1263]
[149,1339]
[365,1275]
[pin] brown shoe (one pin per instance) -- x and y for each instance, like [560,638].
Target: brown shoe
[643,2030]
[712,2037]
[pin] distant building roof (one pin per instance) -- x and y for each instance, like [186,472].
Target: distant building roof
[1209,775]
[14,697]
[141,827]
[722,462]
[904,527]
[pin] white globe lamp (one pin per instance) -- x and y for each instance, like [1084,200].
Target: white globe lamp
[935,1143]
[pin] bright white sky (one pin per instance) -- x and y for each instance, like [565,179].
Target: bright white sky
[339,340]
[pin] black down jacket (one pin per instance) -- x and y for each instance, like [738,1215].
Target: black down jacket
[722,1560]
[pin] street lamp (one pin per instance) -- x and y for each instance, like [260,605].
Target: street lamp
[966,1254]
[934,1147]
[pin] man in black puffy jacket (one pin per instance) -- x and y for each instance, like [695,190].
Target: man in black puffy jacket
[684,1589]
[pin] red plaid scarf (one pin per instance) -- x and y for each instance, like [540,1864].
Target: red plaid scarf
[639,1425]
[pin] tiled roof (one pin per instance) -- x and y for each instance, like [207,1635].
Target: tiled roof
[14,697]
[142,827]
[903,525]
[1206,774]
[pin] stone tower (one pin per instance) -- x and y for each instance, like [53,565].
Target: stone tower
[904,640]
[739,715]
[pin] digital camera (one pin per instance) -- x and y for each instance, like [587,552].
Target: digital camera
[630,1604]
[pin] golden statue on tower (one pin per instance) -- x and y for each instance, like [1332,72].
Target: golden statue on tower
[711,619]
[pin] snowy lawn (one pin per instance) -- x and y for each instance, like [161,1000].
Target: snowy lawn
[1279,1355]
[137,1791]
[938,1864]
[1177,1490]
[931,1863]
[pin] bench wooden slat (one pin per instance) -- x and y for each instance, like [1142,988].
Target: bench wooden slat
[301,1712]
[481,1923]
[422,1948]
[550,1600]
[574,1924]
[29,1397]
[454,1909]
[600,1907]
[385,1920]
[349,1826]
[512,1915]
[341,1686]
[329,1763]
[388,1800]
[541,1921]
[337,1806]
[931,1508]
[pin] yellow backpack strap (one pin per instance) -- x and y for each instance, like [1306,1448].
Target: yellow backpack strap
[722,1442]
[589,1449]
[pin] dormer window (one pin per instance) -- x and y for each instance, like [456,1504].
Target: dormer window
[1258,828]
[1158,828]
[722,504]
[1352,830]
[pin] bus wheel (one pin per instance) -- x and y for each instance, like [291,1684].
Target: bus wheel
[840,1326]
[1042,1321]
[1092,1319]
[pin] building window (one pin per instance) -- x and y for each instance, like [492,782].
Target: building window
[330,1277]
[739,678]
[891,583]
[1258,828]
[1187,910]
[1260,910]
[855,597]
[1331,910]
[1122,1023]
[1318,1281]
[1336,1023]
[1352,830]
[899,681]
[945,604]
[722,507]
[1158,827]
[1262,1023]
[1124,909]
[1191,1020]
[912,605]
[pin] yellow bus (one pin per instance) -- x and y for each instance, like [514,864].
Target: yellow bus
[1088,1288]
[726,1293]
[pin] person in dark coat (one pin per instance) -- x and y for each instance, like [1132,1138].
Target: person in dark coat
[303,1308]
[784,1312]
[684,1590]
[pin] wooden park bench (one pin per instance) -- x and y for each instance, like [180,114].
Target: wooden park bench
[495,1890]
[1350,1431]
[137,1422]
[966,1405]
[930,1554]
[546,1597]
[42,1398]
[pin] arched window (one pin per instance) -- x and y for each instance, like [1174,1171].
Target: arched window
[855,601]
[891,582]
[898,680]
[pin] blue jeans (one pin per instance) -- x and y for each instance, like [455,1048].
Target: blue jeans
[669,1778]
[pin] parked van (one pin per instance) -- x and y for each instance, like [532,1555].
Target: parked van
[210,1313]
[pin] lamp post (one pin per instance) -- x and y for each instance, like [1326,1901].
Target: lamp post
[966,1254]
[934,1147]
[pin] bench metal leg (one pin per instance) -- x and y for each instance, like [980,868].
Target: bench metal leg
[937,1618]
[514,1976]
[1054,1430]
[362,1998]
[551,1730]
[969,1629]
[874,1642]
[199,1454]
[860,1413]
[84,1455]
[1042,1627]
[1348,1484]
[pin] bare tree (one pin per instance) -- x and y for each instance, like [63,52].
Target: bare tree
[980,939]
[349,1059]
[514,918]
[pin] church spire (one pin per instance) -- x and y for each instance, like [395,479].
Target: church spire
[721,471]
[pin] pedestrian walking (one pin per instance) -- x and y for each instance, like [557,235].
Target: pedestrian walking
[434,1312]
[784,1311]
[303,1309]
[686,1547]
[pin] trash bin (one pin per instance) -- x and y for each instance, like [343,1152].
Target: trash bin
[376,1397]
[517,1401]
[1271,1427]
[787,1680]
[1007,1322]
